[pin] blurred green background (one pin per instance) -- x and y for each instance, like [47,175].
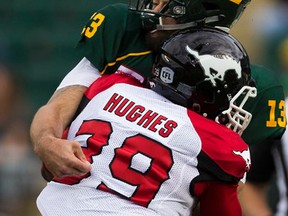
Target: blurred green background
[38,38]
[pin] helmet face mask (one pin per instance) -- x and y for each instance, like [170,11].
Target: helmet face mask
[205,70]
[235,117]
[190,13]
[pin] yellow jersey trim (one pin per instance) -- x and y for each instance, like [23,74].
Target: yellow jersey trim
[124,57]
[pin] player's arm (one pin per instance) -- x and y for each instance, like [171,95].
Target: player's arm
[253,199]
[218,198]
[61,157]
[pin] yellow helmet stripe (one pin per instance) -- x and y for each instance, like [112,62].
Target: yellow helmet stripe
[236,1]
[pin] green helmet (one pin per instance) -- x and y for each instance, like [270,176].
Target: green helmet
[190,13]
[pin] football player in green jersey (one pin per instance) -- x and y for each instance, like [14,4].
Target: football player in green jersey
[262,136]
[122,36]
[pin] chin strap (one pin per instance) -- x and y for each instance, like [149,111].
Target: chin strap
[161,27]
[181,26]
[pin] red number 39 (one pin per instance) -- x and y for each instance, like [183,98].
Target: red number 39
[146,183]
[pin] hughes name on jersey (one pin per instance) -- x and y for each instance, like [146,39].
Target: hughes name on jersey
[147,154]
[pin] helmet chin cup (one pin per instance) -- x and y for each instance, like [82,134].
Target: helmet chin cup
[235,117]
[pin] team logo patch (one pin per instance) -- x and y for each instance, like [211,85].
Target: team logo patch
[245,155]
[167,75]
[216,67]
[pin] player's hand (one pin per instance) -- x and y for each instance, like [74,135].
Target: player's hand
[63,158]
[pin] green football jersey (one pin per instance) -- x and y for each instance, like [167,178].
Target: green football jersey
[268,108]
[114,36]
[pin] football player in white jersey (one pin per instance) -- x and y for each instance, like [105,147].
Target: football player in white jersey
[160,150]
[118,34]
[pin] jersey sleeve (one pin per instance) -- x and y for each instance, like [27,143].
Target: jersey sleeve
[102,35]
[224,156]
[108,36]
[217,198]
[267,109]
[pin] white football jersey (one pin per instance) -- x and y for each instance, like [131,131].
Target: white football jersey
[146,154]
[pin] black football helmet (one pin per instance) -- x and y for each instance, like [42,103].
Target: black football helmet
[190,13]
[208,71]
